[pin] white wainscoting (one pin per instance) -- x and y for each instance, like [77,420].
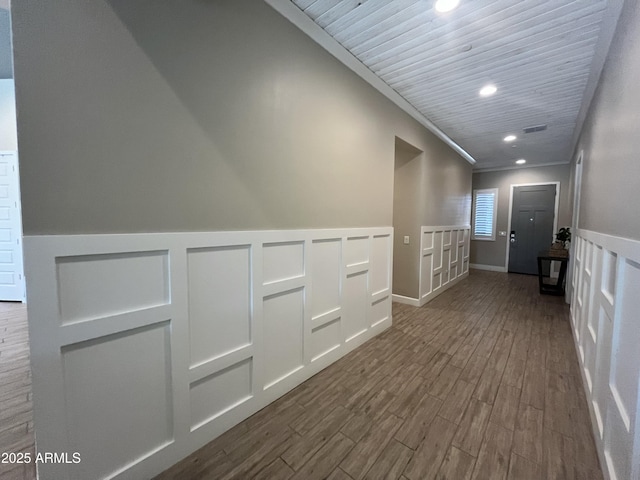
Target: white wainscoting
[605,320]
[444,261]
[147,346]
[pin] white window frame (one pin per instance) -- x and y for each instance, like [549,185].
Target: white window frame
[494,191]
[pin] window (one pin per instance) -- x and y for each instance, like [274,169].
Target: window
[485,206]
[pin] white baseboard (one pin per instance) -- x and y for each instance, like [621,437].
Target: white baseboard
[431,295]
[489,268]
[414,302]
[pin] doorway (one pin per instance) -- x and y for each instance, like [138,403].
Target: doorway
[11,269]
[532,221]
[407,209]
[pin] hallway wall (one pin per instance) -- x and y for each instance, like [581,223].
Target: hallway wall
[610,138]
[185,116]
[606,253]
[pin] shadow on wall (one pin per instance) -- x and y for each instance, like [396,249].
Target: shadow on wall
[281,119]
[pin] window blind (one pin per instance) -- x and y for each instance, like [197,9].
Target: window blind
[484,214]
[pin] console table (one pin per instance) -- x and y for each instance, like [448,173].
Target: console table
[551,256]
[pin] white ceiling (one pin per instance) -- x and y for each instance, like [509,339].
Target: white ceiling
[544,56]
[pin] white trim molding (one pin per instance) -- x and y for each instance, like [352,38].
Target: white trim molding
[498,168]
[291,12]
[414,302]
[488,268]
[555,213]
[604,320]
[145,347]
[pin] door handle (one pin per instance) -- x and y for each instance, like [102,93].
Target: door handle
[512,236]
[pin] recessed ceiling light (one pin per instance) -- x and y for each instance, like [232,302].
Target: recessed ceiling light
[510,138]
[521,161]
[488,90]
[443,6]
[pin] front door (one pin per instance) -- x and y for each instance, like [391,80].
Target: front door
[531,226]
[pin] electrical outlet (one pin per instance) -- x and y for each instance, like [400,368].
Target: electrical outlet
[406,239]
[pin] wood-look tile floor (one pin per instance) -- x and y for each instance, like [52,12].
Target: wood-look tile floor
[16,409]
[481,383]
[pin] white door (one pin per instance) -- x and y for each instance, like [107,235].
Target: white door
[11,270]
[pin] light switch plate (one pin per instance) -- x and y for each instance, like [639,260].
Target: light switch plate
[502,233]
[406,239]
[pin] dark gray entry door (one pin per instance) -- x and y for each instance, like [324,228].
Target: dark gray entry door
[531,226]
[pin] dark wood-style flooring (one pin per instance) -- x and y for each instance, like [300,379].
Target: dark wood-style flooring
[16,408]
[481,383]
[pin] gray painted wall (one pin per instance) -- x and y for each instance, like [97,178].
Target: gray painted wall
[494,252]
[610,138]
[430,188]
[138,116]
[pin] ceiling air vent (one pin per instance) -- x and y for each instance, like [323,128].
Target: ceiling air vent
[534,128]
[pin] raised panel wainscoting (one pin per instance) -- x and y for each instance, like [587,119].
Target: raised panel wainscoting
[604,317]
[444,261]
[147,346]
